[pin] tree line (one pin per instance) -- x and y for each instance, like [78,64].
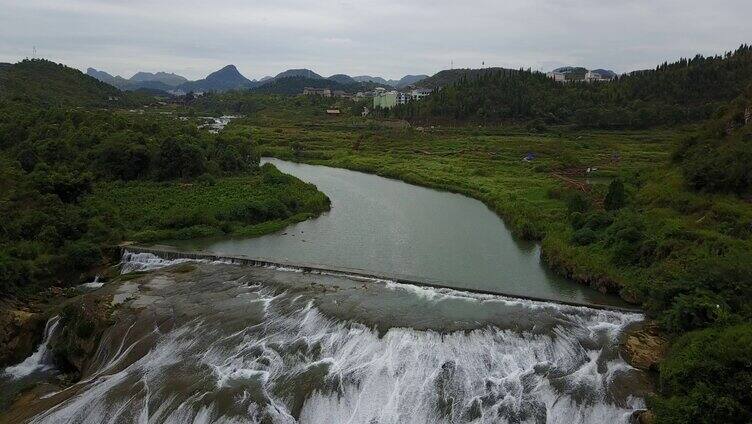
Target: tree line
[685,91]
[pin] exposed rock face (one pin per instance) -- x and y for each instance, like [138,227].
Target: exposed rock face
[20,332]
[83,321]
[643,347]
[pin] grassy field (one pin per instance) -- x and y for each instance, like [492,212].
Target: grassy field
[249,205]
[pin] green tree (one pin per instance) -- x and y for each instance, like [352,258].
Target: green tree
[616,197]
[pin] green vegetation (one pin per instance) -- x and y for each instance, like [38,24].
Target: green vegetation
[683,92]
[74,180]
[43,83]
[249,205]
[640,228]
[708,375]
[660,216]
[718,158]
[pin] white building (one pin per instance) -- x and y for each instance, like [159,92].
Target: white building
[557,76]
[591,76]
[420,93]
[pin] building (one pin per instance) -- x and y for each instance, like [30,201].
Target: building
[592,76]
[416,94]
[332,112]
[420,93]
[557,76]
[311,91]
[384,99]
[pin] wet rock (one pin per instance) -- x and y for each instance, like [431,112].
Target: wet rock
[83,322]
[20,332]
[643,346]
[642,417]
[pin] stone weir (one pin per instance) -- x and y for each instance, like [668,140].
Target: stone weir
[171,254]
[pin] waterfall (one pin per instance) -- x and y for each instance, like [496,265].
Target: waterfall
[39,360]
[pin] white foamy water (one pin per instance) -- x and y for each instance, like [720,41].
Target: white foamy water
[93,284]
[39,360]
[134,261]
[273,357]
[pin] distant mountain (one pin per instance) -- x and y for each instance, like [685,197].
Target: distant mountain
[605,73]
[44,83]
[266,78]
[305,73]
[409,80]
[368,78]
[401,83]
[295,85]
[342,79]
[227,78]
[168,79]
[103,76]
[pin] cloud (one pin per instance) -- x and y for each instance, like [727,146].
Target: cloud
[389,38]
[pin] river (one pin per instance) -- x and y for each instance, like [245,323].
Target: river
[390,227]
[217,342]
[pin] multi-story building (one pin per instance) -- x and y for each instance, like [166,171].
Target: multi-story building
[384,99]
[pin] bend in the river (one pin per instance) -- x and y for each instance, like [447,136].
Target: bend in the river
[390,227]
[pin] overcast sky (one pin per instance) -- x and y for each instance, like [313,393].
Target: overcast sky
[388,38]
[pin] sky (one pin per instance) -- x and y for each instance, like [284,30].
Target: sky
[388,38]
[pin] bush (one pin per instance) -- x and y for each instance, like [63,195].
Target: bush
[577,202]
[584,237]
[706,378]
[616,197]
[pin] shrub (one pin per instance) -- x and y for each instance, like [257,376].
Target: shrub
[616,197]
[584,236]
[577,202]
[706,378]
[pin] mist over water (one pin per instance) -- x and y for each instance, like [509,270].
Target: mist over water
[227,343]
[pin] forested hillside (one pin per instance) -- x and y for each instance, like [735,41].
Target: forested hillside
[43,83]
[719,158]
[685,91]
[75,179]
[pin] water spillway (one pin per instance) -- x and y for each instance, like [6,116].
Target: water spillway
[143,258]
[230,343]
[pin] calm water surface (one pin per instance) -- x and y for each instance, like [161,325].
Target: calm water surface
[391,227]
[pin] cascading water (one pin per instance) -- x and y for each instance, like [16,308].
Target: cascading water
[40,360]
[235,344]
